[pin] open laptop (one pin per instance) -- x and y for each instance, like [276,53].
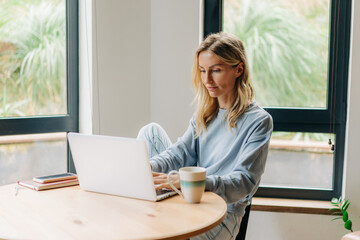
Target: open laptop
[114,165]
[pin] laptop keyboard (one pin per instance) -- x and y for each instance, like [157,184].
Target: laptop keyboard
[163,191]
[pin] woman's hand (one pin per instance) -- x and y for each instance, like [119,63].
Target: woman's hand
[160,180]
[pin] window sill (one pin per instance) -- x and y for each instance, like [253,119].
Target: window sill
[292,206]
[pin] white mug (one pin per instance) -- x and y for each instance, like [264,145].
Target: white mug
[192,183]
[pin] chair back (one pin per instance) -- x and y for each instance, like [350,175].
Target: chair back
[243,225]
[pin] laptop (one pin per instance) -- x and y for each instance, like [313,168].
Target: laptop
[114,165]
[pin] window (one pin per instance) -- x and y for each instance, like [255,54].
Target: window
[298,55]
[38,85]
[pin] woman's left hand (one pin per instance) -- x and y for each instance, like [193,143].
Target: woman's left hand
[160,180]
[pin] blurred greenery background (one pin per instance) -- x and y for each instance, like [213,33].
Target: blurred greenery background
[32,57]
[287,47]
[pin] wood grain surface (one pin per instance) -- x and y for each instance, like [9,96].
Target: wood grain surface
[72,213]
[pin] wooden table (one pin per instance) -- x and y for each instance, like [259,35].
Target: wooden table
[71,213]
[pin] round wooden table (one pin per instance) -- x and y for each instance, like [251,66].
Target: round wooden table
[72,213]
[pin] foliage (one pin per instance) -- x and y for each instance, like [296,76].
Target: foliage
[33,58]
[9,109]
[303,136]
[286,52]
[341,207]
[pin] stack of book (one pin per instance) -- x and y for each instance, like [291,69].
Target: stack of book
[51,181]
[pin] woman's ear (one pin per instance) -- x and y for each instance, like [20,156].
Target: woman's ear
[239,69]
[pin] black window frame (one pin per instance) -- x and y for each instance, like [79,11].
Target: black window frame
[332,119]
[56,123]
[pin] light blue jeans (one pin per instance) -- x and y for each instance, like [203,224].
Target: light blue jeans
[157,141]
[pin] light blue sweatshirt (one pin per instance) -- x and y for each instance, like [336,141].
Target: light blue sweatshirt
[234,161]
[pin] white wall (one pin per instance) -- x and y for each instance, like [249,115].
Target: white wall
[174,39]
[352,157]
[142,58]
[121,66]
[292,226]
[85,66]
[137,76]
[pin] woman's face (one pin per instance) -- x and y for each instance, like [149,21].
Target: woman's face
[218,77]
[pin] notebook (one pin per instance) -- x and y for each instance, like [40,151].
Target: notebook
[114,165]
[44,186]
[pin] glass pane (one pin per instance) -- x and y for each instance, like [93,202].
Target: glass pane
[25,156]
[287,47]
[299,160]
[32,58]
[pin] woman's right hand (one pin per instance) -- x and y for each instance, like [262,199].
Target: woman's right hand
[160,180]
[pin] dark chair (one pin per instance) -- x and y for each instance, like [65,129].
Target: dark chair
[244,223]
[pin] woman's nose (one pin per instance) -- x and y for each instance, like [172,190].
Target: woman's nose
[207,78]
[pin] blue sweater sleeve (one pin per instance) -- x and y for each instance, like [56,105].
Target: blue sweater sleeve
[180,154]
[243,181]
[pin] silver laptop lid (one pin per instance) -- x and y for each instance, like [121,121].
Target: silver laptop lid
[112,165]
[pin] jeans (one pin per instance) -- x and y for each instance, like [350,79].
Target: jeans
[226,230]
[157,141]
[155,137]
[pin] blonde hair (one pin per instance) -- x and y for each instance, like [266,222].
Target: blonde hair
[230,50]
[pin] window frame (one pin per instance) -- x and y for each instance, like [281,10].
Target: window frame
[56,123]
[332,118]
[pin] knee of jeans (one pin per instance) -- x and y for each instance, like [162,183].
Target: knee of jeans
[148,130]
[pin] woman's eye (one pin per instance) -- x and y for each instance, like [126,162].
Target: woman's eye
[216,70]
[202,71]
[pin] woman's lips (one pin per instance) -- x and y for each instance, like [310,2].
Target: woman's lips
[211,88]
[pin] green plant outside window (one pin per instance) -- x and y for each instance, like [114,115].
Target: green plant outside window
[32,58]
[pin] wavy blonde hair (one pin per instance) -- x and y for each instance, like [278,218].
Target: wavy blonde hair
[231,51]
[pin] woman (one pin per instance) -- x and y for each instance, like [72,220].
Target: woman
[228,134]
